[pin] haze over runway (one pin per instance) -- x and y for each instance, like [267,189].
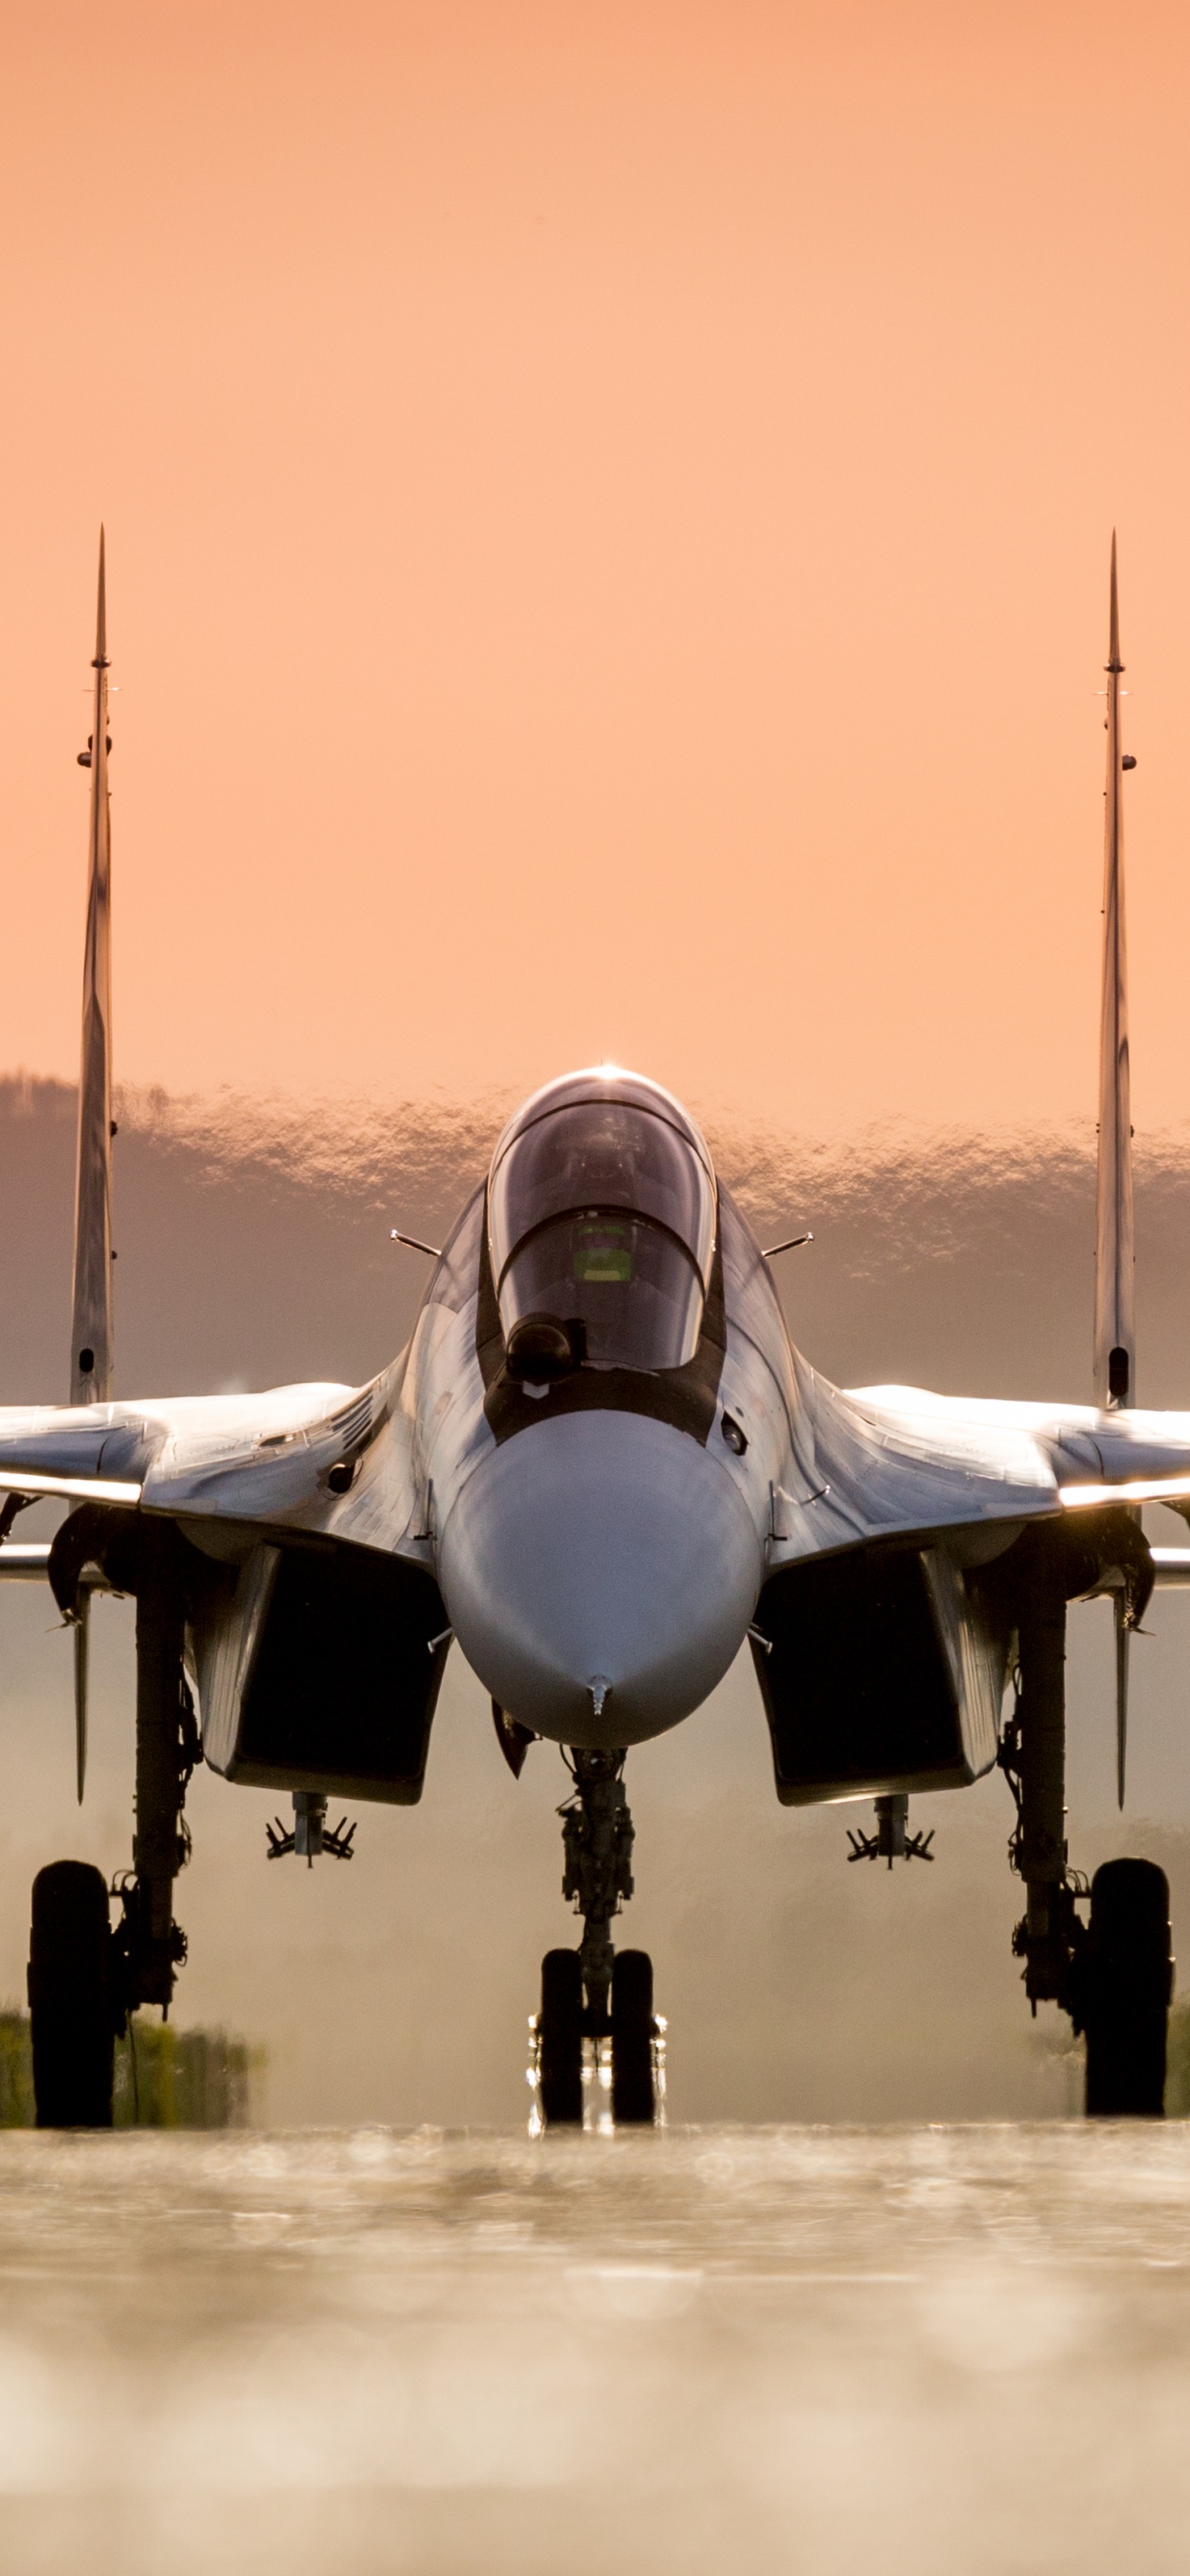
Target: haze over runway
[791,2349]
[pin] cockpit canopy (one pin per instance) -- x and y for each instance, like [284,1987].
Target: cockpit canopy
[601,1217]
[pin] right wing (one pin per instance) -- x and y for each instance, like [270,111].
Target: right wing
[888,1462]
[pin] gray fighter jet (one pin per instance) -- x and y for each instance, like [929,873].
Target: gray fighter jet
[600,1465]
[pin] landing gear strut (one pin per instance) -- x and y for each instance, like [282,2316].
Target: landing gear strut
[149,1944]
[597,1836]
[1050,1936]
[84,1979]
[1113,1975]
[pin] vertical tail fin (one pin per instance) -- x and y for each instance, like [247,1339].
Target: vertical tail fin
[1115,1322]
[1115,1327]
[91,1323]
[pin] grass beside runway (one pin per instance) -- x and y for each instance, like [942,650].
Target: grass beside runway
[164,2078]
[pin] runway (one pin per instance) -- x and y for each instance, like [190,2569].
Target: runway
[783,2349]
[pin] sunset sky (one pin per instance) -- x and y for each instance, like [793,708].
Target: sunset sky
[608,512]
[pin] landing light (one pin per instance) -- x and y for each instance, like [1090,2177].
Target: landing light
[73,1489]
[1144,1489]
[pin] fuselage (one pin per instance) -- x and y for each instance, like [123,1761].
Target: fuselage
[601,1395]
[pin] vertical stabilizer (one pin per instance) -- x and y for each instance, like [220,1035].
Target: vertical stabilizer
[1115,1324]
[91,1326]
[1115,1329]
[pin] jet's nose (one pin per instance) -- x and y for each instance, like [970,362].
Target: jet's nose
[600,1571]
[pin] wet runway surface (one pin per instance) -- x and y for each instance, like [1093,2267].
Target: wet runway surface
[962,2349]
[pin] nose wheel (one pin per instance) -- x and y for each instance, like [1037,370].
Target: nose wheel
[634,2082]
[590,1993]
[560,2040]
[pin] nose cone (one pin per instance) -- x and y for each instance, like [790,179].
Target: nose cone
[600,1571]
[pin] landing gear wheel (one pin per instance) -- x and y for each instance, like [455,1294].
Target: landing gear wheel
[70,1998]
[560,2040]
[634,2093]
[1127,1981]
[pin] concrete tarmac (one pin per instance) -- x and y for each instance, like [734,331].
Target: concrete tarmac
[960,2349]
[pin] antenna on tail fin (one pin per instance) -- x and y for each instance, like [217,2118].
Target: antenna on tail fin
[91,1314]
[1115,1323]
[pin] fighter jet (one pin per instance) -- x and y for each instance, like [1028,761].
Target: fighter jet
[598,1468]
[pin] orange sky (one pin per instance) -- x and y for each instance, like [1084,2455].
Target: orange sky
[608,510]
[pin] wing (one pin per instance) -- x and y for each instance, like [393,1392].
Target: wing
[325,1459]
[915,1534]
[886,1462]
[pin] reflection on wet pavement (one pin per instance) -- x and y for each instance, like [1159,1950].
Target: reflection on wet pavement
[786,2349]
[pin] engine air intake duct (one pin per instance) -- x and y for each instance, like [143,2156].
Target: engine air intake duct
[880,1672]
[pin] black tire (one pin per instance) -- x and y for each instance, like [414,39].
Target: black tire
[634,2094]
[70,1998]
[1127,1984]
[560,2040]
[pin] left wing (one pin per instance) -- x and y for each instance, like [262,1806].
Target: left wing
[320,1458]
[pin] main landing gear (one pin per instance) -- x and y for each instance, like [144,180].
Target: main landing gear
[1114,1973]
[72,2007]
[86,1979]
[617,2013]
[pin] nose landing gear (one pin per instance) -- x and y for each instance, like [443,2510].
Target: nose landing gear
[617,2014]
[597,1837]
